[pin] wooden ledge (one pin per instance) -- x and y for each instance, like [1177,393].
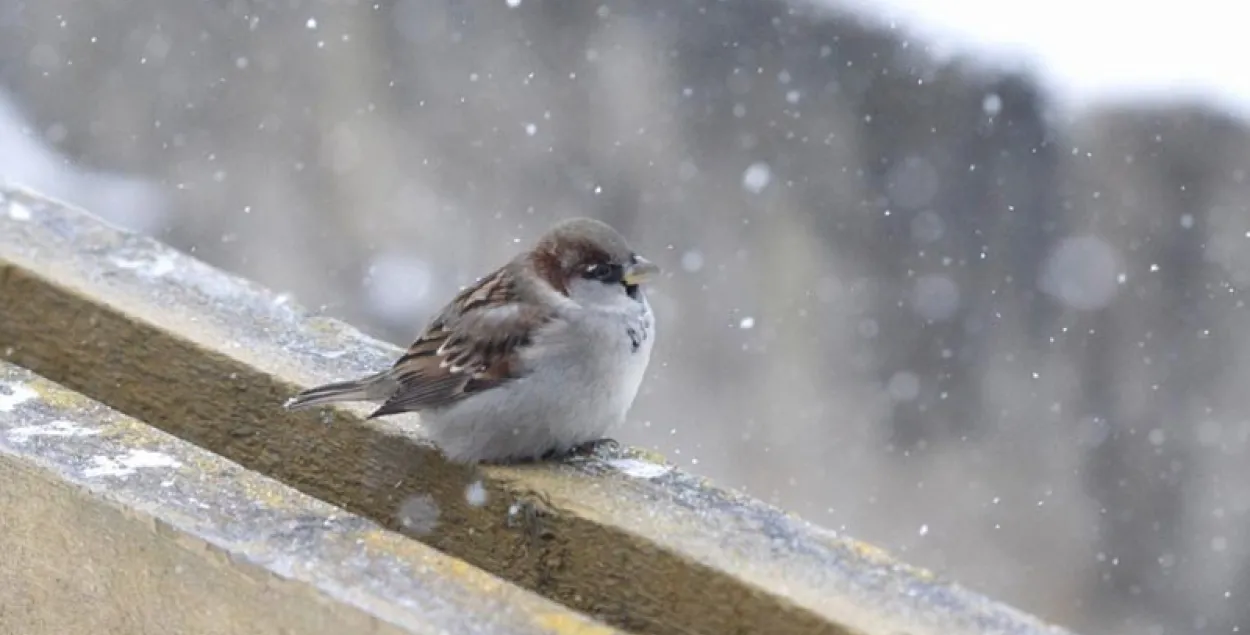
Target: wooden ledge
[210,358]
[111,526]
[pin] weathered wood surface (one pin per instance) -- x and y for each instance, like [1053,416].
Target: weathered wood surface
[111,526]
[210,358]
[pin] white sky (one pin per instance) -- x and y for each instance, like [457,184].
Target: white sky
[1091,50]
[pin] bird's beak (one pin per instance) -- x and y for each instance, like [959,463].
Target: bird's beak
[640,271]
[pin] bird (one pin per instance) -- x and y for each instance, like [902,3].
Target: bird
[541,358]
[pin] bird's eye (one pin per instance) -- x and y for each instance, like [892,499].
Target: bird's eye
[605,272]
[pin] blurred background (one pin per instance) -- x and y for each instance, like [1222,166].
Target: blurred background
[963,279]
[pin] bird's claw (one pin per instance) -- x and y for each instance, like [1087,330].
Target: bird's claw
[587,450]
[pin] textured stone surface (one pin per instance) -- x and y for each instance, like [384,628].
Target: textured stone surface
[111,526]
[210,358]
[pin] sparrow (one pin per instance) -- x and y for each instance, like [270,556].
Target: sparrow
[538,359]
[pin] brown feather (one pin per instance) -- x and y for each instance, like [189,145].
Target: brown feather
[561,255]
[548,265]
[470,347]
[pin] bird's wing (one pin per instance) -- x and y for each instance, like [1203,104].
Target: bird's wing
[473,345]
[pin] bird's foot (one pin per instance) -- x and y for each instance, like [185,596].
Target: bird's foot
[591,449]
[587,450]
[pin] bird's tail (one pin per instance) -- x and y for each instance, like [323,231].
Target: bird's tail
[372,388]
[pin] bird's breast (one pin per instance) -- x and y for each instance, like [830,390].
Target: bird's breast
[601,358]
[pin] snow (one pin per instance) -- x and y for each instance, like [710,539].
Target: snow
[398,285]
[1083,272]
[57,428]
[903,386]
[419,514]
[692,261]
[475,494]
[129,463]
[935,297]
[14,395]
[756,177]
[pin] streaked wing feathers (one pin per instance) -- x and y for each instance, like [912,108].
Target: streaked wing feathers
[470,347]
